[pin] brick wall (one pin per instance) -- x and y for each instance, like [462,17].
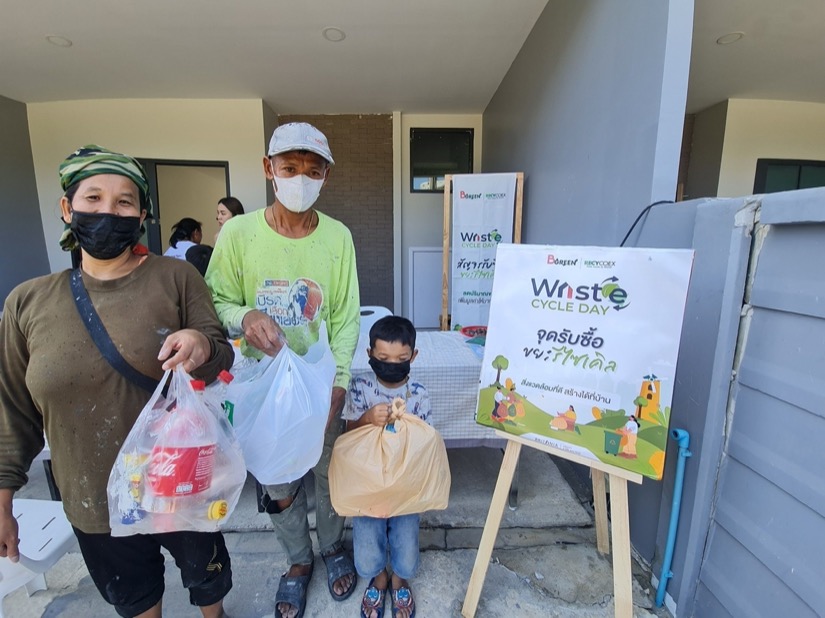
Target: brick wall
[359,193]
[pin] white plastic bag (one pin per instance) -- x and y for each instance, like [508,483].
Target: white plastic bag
[281,411]
[180,467]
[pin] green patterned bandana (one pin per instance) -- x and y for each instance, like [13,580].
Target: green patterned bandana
[93,160]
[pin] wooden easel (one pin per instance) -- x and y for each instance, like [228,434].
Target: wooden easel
[444,320]
[622,575]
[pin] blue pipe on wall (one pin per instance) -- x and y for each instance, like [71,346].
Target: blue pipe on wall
[683,438]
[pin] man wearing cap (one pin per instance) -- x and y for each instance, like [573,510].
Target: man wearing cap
[279,272]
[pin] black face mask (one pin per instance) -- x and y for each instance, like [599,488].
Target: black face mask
[392,373]
[105,236]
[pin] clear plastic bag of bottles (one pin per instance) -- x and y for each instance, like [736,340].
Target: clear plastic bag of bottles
[180,467]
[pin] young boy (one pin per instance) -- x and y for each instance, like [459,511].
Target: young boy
[392,349]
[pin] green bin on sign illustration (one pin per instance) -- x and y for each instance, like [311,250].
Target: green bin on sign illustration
[611,442]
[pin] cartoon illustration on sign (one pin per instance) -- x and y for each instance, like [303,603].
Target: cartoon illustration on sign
[508,404]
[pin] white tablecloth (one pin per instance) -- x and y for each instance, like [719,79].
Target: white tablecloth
[449,369]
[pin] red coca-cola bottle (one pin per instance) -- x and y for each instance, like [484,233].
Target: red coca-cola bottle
[182,461]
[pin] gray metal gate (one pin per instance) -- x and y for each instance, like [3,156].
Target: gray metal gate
[765,549]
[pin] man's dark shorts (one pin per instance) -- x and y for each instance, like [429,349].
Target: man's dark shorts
[128,571]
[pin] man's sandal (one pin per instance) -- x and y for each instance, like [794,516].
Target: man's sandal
[293,590]
[373,601]
[340,565]
[402,598]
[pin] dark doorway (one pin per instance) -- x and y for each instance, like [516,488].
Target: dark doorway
[183,189]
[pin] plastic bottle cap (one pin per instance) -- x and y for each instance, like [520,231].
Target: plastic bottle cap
[225,377]
[217,510]
[198,385]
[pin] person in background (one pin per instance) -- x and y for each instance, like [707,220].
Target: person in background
[186,233]
[280,272]
[392,349]
[228,207]
[199,256]
[158,314]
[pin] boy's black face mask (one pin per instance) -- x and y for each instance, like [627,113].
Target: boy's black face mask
[392,373]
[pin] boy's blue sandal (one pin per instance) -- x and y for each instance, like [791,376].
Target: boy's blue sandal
[293,590]
[339,565]
[373,601]
[402,598]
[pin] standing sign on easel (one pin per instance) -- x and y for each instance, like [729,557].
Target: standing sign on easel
[579,362]
[486,211]
[581,349]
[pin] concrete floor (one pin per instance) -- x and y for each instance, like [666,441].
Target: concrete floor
[545,562]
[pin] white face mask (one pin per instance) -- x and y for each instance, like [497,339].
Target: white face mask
[298,193]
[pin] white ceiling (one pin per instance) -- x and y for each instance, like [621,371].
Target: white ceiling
[782,55]
[412,56]
[431,56]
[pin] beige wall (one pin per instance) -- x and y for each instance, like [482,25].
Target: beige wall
[422,214]
[214,130]
[189,191]
[767,130]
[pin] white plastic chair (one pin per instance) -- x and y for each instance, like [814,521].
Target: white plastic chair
[45,535]
[370,315]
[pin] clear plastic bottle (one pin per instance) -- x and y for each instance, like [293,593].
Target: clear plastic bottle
[134,463]
[216,399]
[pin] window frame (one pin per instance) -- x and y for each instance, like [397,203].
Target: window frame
[760,180]
[469,131]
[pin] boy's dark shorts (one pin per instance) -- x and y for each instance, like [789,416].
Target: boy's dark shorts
[128,571]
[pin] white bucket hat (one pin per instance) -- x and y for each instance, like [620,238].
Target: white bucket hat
[299,136]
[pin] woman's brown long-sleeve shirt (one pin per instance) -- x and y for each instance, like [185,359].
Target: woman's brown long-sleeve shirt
[53,378]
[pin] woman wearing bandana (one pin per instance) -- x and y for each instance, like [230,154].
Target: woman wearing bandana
[158,313]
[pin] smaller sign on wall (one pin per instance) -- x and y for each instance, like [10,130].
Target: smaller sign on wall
[483,208]
[581,349]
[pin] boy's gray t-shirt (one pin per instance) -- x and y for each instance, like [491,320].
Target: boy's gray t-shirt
[366,391]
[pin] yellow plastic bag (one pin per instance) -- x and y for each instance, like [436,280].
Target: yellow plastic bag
[378,473]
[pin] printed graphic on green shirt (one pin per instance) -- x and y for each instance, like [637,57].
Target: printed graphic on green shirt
[290,304]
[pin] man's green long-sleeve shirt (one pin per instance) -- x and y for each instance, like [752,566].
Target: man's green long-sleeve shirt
[298,282]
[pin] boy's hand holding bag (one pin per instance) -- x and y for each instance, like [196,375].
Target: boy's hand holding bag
[180,467]
[281,411]
[379,473]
